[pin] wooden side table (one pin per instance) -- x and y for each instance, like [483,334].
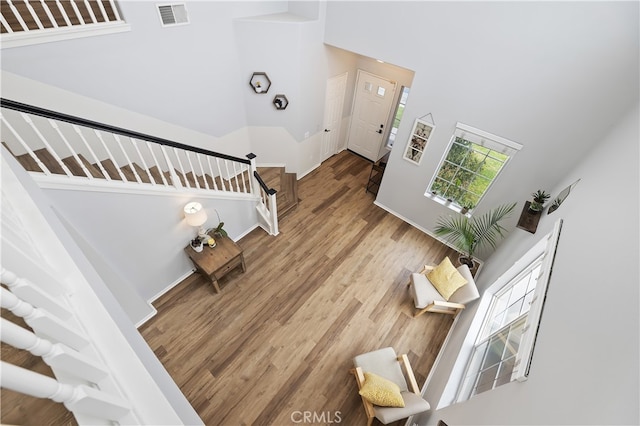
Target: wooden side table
[214,263]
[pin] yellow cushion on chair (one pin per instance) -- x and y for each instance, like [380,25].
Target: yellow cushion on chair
[380,391]
[446,278]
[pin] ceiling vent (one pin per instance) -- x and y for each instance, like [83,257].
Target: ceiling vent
[173,14]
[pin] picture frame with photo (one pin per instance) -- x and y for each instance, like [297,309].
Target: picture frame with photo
[418,140]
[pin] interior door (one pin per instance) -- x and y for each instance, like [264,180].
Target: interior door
[333,105]
[372,105]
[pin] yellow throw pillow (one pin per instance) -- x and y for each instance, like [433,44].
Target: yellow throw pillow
[446,278]
[380,391]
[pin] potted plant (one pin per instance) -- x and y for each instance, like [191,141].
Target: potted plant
[468,234]
[196,244]
[218,231]
[464,209]
[539,198]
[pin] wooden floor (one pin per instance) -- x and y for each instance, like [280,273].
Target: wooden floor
[279,338]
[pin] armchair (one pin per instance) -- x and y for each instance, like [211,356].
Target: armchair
[427,298]
[385,364]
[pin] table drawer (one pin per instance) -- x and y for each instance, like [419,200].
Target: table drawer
[233,263]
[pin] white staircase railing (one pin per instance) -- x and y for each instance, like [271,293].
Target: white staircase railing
[68,151]
[35,21]
[97,373]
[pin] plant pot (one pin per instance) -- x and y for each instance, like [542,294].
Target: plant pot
[535,207]
[466,260]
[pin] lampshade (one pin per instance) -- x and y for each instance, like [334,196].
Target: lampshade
[195,214]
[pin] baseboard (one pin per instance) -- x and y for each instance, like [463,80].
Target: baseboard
[265,165]
[148,317]
[245,233]
[170,286]
[415,225]
[301,175]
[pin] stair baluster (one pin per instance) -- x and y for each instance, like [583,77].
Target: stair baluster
[126,156]
[144,163]
[63,138]
[55,155]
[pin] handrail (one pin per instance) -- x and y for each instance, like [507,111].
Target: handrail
[42,112]
[263,185]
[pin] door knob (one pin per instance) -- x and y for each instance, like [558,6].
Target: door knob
[327,130]
[380,131]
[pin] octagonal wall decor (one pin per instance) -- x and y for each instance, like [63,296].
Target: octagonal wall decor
[260,82]
[280,101]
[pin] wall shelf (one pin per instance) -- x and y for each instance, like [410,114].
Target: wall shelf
[260,82]
[280,101]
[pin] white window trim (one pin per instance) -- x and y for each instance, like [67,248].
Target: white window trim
[547,246]
[479,137]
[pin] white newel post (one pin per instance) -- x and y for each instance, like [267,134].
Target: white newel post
[253,182]
[273,210]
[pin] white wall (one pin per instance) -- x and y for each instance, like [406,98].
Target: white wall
[585,364]
[186,75]
[142,237]
[552,76]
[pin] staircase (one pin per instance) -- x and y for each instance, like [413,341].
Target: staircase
[59,149]
[286,184]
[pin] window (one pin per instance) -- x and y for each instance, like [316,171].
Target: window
[473,161]
[402,101]
[505,341]
[493,359]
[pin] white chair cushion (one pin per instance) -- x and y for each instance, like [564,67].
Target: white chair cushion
[384,363]
[413,404]
[423,292]
[467,292]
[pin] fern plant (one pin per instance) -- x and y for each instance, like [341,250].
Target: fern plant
[469,234]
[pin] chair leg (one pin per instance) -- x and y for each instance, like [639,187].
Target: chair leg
[420,312]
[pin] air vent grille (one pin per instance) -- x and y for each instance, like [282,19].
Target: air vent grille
[173,14]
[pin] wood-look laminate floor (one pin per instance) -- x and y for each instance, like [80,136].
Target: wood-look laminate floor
[279,339]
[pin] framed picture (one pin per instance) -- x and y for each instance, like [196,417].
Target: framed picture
[418,141]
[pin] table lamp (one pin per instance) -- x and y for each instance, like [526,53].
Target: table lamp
[196,216]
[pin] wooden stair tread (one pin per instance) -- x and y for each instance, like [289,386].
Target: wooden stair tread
[76,169]
[31,165]
[271,176]
[110,168]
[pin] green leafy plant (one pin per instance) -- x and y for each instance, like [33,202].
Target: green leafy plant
[539,198]
[469,234]
[218,230]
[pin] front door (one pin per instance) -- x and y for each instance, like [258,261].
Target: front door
[372,105]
